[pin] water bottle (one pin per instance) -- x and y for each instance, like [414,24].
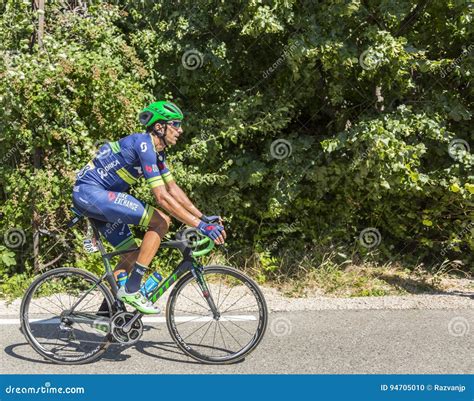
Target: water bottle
[151,283]
[122,279]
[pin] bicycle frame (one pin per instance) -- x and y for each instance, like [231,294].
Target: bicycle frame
[187,264]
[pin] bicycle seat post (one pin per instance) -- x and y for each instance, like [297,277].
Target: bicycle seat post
[109,275]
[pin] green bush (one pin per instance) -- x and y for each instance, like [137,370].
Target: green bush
[306,123]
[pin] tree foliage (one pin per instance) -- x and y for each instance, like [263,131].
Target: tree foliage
[306,122]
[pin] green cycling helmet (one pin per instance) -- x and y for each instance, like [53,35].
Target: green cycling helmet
[160,111]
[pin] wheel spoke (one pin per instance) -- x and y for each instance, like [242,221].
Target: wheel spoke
[231,305]
[53,303]
[225,328]
[184,296]
[191,320]
[59,299]
[238,309]
[222,303]
[47,310]
[223,339]
[194,313]
[200,327]
[210,324]
[239,327]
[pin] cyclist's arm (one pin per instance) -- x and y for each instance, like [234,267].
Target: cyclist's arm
[173,207]
[156,176]
[177,193]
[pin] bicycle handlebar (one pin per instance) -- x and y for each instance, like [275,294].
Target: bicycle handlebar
[205,251]
[194,239]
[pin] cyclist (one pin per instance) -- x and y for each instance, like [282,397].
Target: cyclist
[100,193]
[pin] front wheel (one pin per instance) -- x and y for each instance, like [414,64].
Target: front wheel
[225,337]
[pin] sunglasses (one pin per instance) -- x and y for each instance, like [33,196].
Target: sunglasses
[175,124]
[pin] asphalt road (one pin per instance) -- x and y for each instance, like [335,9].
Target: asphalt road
[328,341]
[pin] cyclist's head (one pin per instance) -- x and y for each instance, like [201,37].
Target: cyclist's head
[163,119]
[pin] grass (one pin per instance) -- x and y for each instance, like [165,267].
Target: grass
[369,280]
[322,276]
[325,276]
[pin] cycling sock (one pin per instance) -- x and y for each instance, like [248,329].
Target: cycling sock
[135,278]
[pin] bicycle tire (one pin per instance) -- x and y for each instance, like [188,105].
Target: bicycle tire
[26,328]
[261,328]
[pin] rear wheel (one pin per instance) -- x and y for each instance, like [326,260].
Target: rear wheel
[59,316]
[228,336]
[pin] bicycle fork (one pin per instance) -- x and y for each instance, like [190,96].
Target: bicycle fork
[197,271]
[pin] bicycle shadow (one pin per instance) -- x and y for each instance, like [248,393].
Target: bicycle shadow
[163,350]
[170,347]
[114,353]
[107,356]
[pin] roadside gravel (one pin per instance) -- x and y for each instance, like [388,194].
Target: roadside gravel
[277,302]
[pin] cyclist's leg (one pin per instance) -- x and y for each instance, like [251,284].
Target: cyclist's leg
[99,205]
[157,229]
[121,238]
[111,206]
[157,223]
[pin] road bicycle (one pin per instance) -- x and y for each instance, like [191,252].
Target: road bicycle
[215,314]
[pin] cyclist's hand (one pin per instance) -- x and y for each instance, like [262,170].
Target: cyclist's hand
[213,231]
[212,219]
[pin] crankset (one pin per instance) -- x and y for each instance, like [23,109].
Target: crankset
[124,334]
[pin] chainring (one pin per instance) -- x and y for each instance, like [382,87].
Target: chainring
[118,321]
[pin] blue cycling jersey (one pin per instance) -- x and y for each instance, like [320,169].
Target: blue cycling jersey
[120,164]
